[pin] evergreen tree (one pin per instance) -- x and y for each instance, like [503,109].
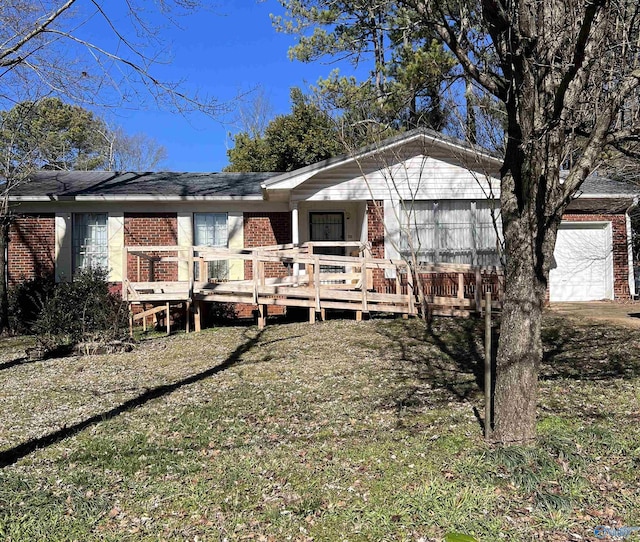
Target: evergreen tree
[302,137]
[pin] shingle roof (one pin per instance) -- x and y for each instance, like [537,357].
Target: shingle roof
[596,184]
[106,183]
[60,184]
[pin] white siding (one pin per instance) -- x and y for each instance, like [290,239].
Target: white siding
[420,177]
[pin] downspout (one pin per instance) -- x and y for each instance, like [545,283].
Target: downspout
[631,278]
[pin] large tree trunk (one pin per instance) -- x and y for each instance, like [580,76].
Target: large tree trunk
[530,230]
[520,346]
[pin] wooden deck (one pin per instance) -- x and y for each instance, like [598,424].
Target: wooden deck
[314,281]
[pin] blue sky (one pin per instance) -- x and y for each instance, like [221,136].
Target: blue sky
[224,52]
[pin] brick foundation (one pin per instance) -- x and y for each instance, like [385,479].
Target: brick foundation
[620,251]
[31,252]
[151,229]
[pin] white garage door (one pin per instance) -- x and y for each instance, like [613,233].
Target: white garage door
[584,266]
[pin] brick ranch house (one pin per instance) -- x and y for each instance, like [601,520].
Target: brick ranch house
[420,189]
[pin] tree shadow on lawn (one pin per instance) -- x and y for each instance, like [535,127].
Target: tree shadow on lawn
[12,455]
[438,361]
[12,363]
[443,361]
[588,350]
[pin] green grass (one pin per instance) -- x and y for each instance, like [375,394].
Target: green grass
[336,431]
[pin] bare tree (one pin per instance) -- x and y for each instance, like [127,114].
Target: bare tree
[137,152]
[567,74]
[100,53]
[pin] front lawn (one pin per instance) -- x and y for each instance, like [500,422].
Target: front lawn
[333,431]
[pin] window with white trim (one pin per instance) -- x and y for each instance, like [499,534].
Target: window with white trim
[453,231]
[89,240]
[211,230]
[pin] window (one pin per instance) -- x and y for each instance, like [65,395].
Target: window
[89,241]
[210,229]
[452,231]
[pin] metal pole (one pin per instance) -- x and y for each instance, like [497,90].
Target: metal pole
[487,366]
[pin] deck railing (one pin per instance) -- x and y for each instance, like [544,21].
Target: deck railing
[298,275]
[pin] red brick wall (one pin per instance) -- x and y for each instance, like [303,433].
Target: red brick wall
[264,229]
[31,252]
[147,229]
[375,236]
[620,251]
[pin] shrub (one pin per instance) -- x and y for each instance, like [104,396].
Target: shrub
[26,300]
[82,311]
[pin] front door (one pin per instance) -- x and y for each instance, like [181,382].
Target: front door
[327,227]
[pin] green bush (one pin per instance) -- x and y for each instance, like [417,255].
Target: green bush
[82,311]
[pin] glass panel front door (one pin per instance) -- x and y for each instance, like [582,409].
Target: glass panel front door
[327,227]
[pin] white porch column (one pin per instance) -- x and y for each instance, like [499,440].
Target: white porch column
[295,234]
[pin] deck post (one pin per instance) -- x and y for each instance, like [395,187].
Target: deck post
[461,289]
[168,318]
[187,316]
[130,323]
[312,315]
[358,316]
[478,291]
[191,271]
[125,274]
[316,280]
[363,281]
[487,366]
[262,316]
[254,277]
[197,316]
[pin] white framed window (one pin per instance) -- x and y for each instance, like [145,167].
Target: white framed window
[211,230]
[89,240]
[452,231]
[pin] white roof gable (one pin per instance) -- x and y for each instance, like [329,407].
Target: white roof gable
[425,146]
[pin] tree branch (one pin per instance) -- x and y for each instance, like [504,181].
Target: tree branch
[599,134]
[31,35]
[579,55]
[490,81]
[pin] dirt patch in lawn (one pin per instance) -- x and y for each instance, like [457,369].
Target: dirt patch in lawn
[625,314]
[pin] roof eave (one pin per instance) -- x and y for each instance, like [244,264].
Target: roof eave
[130,197]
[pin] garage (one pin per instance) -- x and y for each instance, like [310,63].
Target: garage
[583,262]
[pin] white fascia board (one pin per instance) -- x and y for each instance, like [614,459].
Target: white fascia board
[134,198]
[294,180]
